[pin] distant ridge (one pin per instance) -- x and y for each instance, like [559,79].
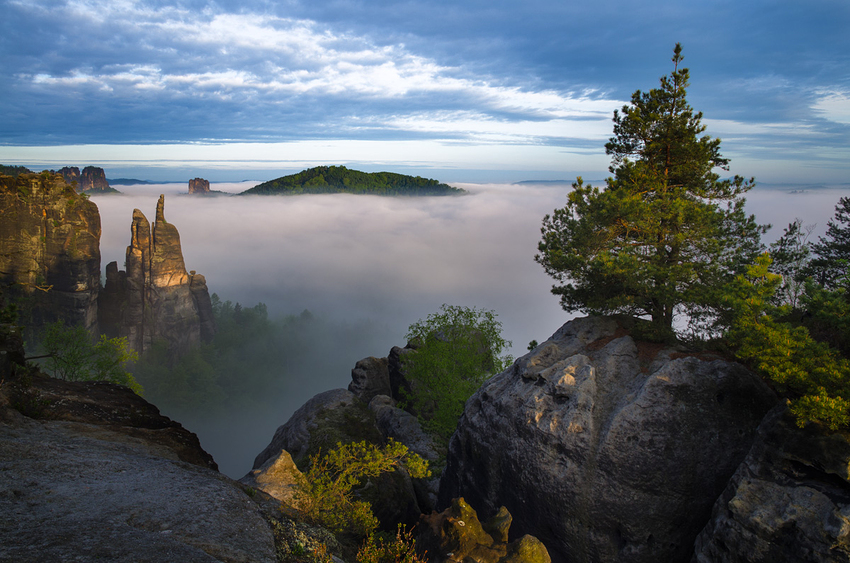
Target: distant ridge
[339,179]
[130,181]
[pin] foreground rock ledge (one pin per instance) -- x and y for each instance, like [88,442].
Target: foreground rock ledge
[107,490]
[604,447]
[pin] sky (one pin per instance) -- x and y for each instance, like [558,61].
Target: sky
[459,90]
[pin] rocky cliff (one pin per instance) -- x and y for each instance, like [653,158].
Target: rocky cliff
[92,178]
[605,447]
[156,298]
[49,250]
[199,186]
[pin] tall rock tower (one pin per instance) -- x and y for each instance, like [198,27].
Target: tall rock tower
[156,298]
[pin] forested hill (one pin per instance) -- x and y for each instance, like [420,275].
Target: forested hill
[339,179]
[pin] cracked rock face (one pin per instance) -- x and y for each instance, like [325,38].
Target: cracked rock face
[605,448]
[789,501]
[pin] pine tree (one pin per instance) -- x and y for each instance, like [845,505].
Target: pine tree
[666,232]
[832,251]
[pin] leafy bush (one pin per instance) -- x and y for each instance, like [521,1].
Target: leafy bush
[401,549]
[457,349]
[72,356]
[329,497]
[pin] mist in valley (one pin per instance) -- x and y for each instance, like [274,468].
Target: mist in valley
[366,267]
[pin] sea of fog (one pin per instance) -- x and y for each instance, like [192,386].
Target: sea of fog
[377,264]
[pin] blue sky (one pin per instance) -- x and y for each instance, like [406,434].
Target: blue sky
[460,90]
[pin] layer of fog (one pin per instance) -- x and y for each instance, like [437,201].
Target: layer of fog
[372,265]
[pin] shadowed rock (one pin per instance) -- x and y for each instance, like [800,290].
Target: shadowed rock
[199,186]
[789,500]
[605,447]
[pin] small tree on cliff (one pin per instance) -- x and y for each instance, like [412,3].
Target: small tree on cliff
[666,232]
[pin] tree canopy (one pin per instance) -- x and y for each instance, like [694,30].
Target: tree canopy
[339,179]
[457,349]
[666,231]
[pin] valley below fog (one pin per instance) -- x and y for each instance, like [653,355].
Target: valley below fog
[370,266]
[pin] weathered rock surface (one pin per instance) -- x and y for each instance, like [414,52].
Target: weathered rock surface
[156,298]
[278,477]
[788,502]
[49,250]
[92,178]
[456,534]
[369,378]
[199,186]
[102,476]
[605,448]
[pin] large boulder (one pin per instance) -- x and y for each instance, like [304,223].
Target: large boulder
[789,501]
[604,447]
[369,378]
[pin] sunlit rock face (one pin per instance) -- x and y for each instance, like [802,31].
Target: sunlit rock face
[789,500]
[199,186]
[156,298]
[49,250]
[604,447]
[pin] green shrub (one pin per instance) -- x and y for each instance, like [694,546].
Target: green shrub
[457,349]
[329,496]
[72,356]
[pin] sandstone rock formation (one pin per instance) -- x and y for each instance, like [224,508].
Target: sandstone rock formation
[789,501]
[156,298]
[71,174]
[199,186]
[49,250]
[456,534]
[102,476]
[604,447]
[92,178]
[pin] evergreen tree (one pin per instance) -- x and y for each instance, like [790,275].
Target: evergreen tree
[832,251]
[666,232]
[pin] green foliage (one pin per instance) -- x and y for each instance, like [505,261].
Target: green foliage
[790,255]
[6,170]
[814,376]
[832,251]
[400,549]
[457,349]
[339,179]
[74,357]
[329,498]
[666,231]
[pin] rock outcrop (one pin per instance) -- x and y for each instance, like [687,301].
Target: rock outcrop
[456,534]
[102,476]
[199,186]
[319,425]
[92,178]
[156,298]
[789,501]
[49,250]
[604,447]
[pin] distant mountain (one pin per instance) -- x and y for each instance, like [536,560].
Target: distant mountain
[128,182]
[339,179]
